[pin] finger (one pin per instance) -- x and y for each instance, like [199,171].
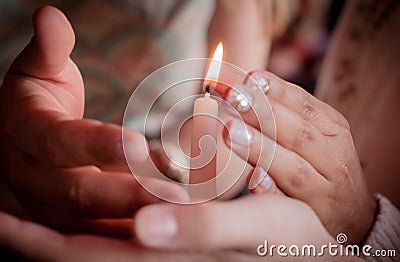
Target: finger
[84,191]
[37,243]
[309,138]
[292,174]
[29,243]
[250,104]
[262,87]
[48,52]
[260,182]
[92,194]
[319,114]
[65,222]
[215,225]
[295,134]
[300,136]
[69,143]
[56,137]
[33,242]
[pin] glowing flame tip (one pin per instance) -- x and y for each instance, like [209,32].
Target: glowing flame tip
[215,66]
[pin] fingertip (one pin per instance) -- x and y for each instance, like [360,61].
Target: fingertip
[51,18]
[255,177]
[135,148]
[221,89]
[156,226]
[259,181]
[54,39]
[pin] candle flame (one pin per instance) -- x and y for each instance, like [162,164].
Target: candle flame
[215,65]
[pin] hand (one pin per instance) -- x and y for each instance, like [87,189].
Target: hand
[315,160]
[34,242]
[52,159]
[244,224]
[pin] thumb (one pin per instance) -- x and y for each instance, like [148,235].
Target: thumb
[48,52]
[243,223]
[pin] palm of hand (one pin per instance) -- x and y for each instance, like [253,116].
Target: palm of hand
[52,157]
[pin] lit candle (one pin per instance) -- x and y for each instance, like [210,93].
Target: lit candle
[203,164]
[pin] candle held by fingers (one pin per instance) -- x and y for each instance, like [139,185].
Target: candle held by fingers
[203,164]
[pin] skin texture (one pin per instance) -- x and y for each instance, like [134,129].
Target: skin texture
[315,160]
[52,159]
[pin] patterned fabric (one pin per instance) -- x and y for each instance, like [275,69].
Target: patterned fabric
[385,233]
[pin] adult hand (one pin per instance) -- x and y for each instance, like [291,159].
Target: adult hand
[34,242]
[52,159]
[244,224]
[315,160]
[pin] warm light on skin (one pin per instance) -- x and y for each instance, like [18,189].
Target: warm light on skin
[215,66]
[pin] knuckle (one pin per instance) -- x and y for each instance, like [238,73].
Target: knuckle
[75,196]
[347,137]
[304,135]
[341,120]
[343,169]
[282,90]
[309,108]
[346,156]
[298,178]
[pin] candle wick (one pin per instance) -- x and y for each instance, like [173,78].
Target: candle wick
[207,89]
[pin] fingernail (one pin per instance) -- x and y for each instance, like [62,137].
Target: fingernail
[239,134]
[156,225]
[260,82]
[259,178]
[239,98]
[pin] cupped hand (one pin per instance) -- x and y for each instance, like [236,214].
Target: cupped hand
[315,160]
[52,158]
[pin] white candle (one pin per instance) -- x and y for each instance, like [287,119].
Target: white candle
[204,134]
[203,164]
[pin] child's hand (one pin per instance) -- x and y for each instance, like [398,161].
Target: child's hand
[315,160]
[243,224]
